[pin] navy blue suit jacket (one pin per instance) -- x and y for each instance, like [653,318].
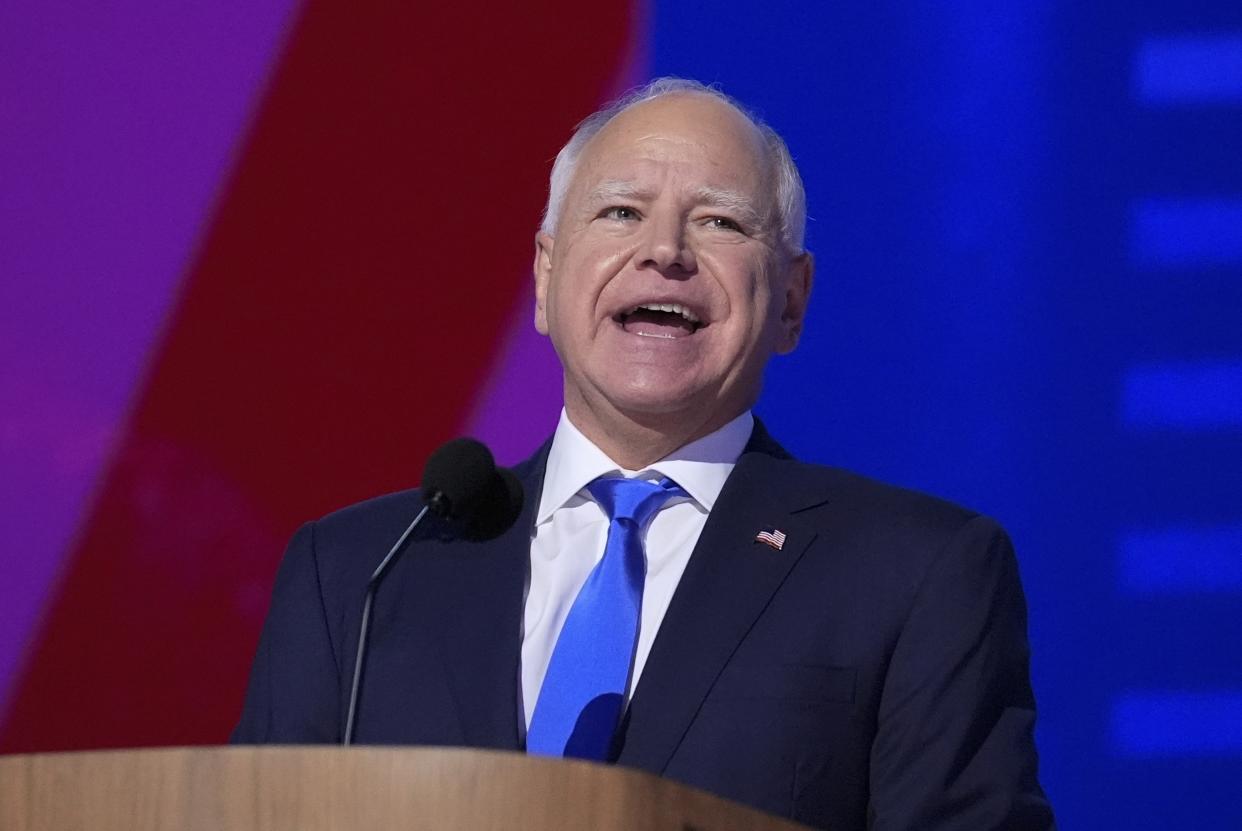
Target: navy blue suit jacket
[871,674]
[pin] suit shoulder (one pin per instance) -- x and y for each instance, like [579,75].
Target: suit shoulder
[379,509]
[898,502]
[882,511]
[402,506]
[873,534]
[349,542]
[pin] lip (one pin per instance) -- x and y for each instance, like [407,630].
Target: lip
[693,306]
[653,338]
[643,340]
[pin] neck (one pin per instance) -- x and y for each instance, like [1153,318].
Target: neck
[635,441]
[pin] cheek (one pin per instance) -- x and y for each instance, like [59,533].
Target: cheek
[749,292]
[584,278]
[565,292]
[571,301]
[753,305]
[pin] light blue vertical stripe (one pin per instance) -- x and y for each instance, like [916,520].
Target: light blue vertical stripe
[1205,70]
[1185,233]
[1191,397]
[1185,560]
[1173,724]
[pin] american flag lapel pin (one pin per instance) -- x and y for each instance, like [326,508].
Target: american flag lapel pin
[773,537]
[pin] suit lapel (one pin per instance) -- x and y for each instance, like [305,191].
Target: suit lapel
[728,582]
[474,596]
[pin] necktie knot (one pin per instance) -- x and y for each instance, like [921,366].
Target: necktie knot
[634,499]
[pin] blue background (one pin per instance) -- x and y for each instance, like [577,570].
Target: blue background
[1027,229]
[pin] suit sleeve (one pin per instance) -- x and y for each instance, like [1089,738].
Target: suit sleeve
[955,746]
[294,692]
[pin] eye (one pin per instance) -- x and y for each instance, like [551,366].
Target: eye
[723,223]
[622,213]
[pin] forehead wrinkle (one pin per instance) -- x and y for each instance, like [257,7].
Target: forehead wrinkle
[618,189]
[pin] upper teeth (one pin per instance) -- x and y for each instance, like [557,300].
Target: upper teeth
[675,308]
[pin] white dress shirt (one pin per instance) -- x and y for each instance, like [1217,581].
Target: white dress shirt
[571,529]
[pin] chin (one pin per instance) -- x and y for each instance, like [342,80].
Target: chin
[652,405]
[674,409]
[641,400]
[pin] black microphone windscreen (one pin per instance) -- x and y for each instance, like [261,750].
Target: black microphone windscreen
[462,484]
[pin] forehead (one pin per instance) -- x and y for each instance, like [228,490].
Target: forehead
[700,139]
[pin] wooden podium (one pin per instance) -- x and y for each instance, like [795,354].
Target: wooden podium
[309,788]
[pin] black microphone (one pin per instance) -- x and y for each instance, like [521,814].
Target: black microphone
[463,486]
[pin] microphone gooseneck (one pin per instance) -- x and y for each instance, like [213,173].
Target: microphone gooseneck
[463,486]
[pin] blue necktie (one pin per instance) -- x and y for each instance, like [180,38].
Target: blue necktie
[583,692]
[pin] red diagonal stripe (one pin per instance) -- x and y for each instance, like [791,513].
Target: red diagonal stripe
[345,304]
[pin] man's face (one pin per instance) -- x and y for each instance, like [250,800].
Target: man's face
[666,287]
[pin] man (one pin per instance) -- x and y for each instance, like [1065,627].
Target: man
[680,595]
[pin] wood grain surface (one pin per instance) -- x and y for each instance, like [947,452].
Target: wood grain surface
[310,788]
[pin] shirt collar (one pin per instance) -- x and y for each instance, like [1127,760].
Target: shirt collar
[700,467]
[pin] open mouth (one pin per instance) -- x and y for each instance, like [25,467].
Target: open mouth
[660,320]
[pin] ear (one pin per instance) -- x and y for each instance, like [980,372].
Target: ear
[543,274]
[798,279]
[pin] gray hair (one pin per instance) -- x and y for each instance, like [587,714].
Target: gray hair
[790,195]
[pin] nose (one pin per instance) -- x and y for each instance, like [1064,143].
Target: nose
[665,247]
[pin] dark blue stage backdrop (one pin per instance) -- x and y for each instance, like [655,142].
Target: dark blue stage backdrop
[1028,225]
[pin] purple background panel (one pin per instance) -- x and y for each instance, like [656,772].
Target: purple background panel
[120,122]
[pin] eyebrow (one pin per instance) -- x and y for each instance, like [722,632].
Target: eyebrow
[730,200]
